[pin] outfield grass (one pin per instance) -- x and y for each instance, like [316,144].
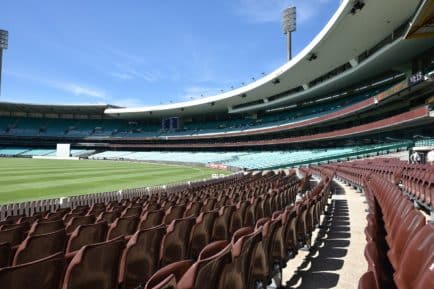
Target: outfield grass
[31,179]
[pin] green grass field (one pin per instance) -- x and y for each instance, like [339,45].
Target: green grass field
[30,179]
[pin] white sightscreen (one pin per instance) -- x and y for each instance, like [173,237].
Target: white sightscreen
[63,150]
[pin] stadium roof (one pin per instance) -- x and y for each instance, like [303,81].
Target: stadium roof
[423,24]
[352,47]
[57,109]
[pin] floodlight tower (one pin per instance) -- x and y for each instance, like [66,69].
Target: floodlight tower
[289,24]
[3,45]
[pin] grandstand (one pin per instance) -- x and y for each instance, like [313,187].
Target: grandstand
[310,198]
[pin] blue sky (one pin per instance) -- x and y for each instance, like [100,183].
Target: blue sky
[136,52]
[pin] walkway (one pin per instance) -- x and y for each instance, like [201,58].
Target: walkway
[336,259]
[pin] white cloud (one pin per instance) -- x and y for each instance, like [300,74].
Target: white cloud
[128,66]
[262,11]
[78,89]
[121,75]
[74,88]
[127,73]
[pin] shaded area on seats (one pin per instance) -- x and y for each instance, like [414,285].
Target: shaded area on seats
[327,253]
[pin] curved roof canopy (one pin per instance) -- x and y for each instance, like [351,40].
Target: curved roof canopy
[352,47]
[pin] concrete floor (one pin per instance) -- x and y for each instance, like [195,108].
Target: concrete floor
[336,258]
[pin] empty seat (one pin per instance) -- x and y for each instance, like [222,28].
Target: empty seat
[377,265]
[95,266]
[413,222]
[426,279]
[262,261]
[33,218]
[24,225]
[80,210]
[205,273]
[87,234]
[239,216]
[289,233]
[97,209]
[201,232]
[175,242]
[14,219]
[208,205]
[133,211]
[46,226]
[13,236]
[416,258]
[193,209]
[40,246]
[79,220]
[221,228]
[302,224]
[140,257]
[237,273]
[44,273]
[54,216]
[108,217]
[168,276]
[123,226]
[367,281]
[151,219]
[5,254]
[68,217]
[174,212]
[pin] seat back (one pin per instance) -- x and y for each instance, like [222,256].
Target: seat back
[239,216]
[44,273]
[95,266]
[417,257]
[426,280]
[151,219]
[221,227]
[123,226]
[140,257]
[176,241]
[87,234]
[133,211]
[24,225]
[108,217]
[201,232]
[205,273]
[174,212]
[413,222]
[79,220]
[236,274]
[40,246]
[46,226]
[193,209]
[5,254]
[13,236]
[367,281]
[168,276]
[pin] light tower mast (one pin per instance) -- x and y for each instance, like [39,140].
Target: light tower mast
[289,25]
[3,45]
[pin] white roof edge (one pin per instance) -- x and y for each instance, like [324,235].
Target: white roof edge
[322,35]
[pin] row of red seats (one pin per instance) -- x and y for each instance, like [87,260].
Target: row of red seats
[417,180]
[252,252]
[400,248]
[171,229]
[125,219]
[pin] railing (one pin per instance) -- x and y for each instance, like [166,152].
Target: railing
[31,207]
